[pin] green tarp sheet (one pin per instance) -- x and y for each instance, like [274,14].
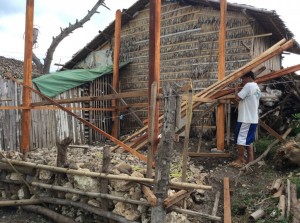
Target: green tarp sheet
[55,83]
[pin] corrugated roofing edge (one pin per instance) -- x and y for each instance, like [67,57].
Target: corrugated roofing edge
[127,15]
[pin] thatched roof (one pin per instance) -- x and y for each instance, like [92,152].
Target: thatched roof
[269,20]
[15,68]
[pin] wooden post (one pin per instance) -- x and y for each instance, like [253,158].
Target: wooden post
[154,62]
[227,207]
[117,43]
[25,138]
[151,125]
[221,74]
[189,113]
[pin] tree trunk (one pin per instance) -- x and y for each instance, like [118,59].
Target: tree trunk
[163,156]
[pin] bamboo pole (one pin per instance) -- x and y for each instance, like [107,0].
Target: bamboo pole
[19,202]
[25,125]
[117,43]
[102,175]
[89,194]
[86,207]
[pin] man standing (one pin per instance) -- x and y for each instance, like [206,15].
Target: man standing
[244,134]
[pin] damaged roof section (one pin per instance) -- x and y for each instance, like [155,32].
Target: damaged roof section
[269,20]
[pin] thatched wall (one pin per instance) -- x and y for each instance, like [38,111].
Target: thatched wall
[189,50]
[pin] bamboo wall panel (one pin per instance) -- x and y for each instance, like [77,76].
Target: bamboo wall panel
[101,119]
[47,126]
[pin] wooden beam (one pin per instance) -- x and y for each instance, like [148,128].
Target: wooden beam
[25,125]
[271,131]
[178,196]
[116,54]
[221,74]
[262,79]
[227,206]
[154,62]
[130,94]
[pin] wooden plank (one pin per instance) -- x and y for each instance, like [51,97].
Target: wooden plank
[216,203]
[151,198]
[130,94]
[173,199]
[216,155]
[189,114]
[262,79]
[227,207]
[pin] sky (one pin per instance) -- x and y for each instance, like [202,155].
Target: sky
[51,15]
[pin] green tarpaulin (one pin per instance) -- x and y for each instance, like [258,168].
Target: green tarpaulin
[55,83]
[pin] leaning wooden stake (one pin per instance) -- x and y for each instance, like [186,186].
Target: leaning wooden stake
[163,157]
[227,207]
[189,114]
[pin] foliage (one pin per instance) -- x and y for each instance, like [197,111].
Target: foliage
[296,123]
[262,144]
[296,180]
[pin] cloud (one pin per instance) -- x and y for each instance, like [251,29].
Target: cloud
[9,7]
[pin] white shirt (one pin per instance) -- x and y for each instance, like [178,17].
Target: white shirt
[248,105]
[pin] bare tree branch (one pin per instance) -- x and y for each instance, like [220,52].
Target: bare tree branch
[37,62]
[64,33]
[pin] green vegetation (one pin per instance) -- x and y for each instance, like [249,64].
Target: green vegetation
[262,144]
[296,123]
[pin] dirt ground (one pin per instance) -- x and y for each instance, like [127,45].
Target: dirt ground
[249,194]
[17,215]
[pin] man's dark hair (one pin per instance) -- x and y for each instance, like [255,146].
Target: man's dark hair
[249,74]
